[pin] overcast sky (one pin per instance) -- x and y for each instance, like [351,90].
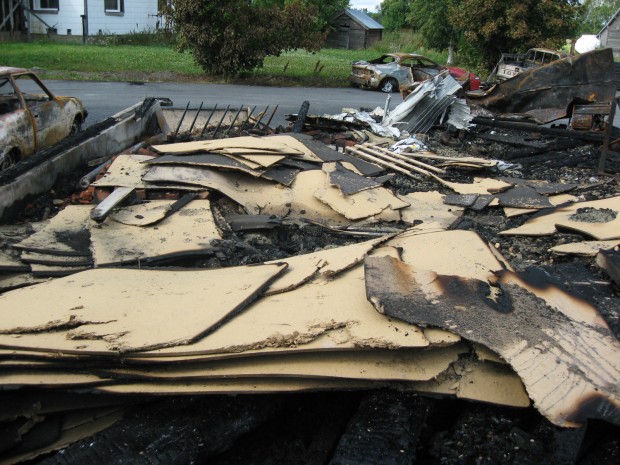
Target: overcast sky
[370,5]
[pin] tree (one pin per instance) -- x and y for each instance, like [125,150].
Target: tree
[229,37]
[596,13]
[432,20]
[394,14]
[490,27]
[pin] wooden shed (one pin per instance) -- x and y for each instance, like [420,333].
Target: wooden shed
[610,34]
[353,29]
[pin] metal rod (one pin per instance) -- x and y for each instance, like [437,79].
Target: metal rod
[271,117]
[248,118]
[232,123]
[221,121]
[208,121]
[195,118]
[261,117]
[180,122]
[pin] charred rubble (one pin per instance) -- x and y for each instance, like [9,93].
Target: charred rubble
[437,284]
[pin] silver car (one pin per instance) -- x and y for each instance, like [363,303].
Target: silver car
[31,117]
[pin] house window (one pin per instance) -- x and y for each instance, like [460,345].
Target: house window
[45,5]
[114,6]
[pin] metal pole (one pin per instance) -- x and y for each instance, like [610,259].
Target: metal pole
[232,123]
[180,121]
[195,118]
[208,121]
[221,121]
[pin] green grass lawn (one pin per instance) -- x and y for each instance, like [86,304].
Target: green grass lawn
[56,60]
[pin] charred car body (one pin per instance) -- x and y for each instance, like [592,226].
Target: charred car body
[390,72]
[32,118]
[511,64]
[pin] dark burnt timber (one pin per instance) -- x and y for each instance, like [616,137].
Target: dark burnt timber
[202,427]
[609,260]
[384,431]
[532,127]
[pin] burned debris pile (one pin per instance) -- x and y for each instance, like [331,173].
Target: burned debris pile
[423,290]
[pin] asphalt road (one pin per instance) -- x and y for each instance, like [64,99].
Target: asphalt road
[104,99]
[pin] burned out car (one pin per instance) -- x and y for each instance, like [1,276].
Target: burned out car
[511,64]
[32,118]
[391,71]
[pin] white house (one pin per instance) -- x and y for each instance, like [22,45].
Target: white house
[78,17]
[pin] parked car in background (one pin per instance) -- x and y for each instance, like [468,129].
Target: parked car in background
[32,118]
[391,71]
[512,64]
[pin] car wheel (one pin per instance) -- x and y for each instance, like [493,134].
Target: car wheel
[76,126]
[9,159]
[389,85]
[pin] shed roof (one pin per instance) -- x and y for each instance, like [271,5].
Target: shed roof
[363,19]
[611,20]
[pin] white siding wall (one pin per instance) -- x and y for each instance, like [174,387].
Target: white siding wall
[139,15]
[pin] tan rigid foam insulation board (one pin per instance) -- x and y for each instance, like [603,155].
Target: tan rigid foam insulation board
[429,208]
[190,230]
[143,214]
[248,142]
[479,186]
[70,222]
[282,320]
[125,171]
[132,309]
[599,219]
[586,248]
[549,337]
[378,364]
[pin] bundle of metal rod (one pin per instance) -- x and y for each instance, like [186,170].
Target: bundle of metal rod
[408,170]
[399,159]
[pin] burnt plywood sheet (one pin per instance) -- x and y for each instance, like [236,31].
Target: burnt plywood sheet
[523,197]
[238,386]
[10,281]
[394,365]
[556,200]
[282,321]
[609,261]
[349,182]
[247,191]
[430,209]
[189,231]
[282,174]
[143,214]
[52,271]
[55,260]
[460,253]
[10,261]
[271,144]
[556,340]
[212,160]
[586,248]
[132,309]
[542,187]
[74,426]
[477,381]
[599,219]
[65,234]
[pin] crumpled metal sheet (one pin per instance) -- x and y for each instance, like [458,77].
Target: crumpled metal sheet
[586,78]
[425,104]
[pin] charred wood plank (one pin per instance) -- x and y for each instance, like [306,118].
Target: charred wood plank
[384,431]
[172,431]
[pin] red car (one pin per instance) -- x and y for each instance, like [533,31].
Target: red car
[393,70]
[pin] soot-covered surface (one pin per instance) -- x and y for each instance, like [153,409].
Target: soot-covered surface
[382,426]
